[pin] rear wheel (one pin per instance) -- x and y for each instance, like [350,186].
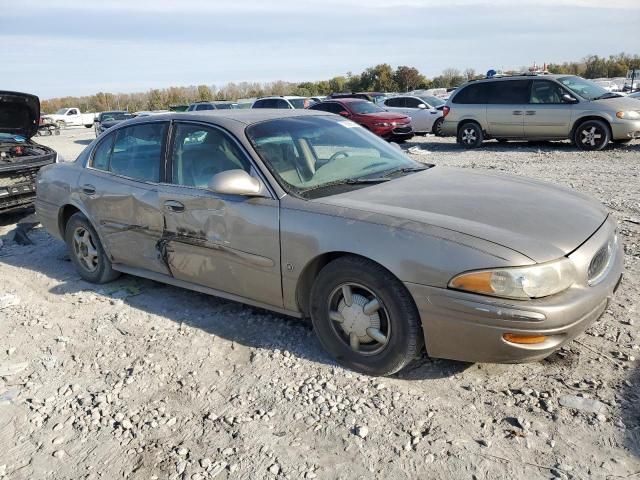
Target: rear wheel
[470,135]
[437,128]
[592,135]
[364,317]
[86,251]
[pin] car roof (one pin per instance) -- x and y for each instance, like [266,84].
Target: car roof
[245,116]
[346,100]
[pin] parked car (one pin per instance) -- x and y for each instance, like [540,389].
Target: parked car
[20,157]
[425,112]
[635,95]
[318,98]
[288,101]
[540,107]
[388,125]
[219,105]
[316,217]
[70,117]
[106,120]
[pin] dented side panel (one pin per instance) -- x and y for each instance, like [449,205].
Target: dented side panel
[223,242]
[128,216]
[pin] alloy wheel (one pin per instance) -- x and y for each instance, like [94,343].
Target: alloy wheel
[591,137]
[469,136]
[85,249]
[359,318]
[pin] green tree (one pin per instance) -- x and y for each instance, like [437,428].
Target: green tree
[408,78]
[204,93]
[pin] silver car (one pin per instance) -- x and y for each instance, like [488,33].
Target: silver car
[310,215]
[425,111]
[540,107]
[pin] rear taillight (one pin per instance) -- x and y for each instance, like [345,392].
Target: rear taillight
[445,111]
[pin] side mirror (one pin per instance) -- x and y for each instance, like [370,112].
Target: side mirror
[236,182]
[566,98]
[422,106]
[344,113]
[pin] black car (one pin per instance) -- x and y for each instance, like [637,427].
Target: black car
[20,157]
[106,120]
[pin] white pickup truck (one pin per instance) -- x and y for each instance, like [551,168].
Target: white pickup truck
[69,117]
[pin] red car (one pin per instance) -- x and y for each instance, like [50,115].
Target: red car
[390,126]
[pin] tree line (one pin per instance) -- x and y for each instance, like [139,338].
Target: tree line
[382,77]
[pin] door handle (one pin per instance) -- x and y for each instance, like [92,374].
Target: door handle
[517,112]
[88,189]
[174,206]
[530,112]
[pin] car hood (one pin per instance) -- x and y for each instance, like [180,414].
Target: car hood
[618,103]
[19,113]
[537,219]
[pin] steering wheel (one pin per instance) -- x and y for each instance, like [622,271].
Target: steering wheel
[337,155]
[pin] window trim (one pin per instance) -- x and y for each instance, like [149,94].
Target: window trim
[89,163]
[169,157]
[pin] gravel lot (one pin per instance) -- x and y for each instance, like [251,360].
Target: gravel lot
[140,380]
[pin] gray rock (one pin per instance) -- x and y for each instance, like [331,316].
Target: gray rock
[361,431]
[9,369]
[274,469]
[8,300]
[582,404]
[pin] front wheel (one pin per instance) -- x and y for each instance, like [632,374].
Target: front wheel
[364,317]
[470,135]
[86,251]
[592,135]
[437,127]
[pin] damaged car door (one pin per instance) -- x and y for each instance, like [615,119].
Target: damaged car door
[119,192]
[226,242]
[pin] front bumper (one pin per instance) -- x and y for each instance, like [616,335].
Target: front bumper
[625,129]
[469,327]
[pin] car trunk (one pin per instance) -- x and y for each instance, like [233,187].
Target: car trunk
[20,158]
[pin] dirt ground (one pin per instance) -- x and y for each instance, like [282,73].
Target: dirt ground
[140,380]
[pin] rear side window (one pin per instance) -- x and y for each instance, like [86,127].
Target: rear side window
[205,106]
[336,108]
[510,92]
[475,93]
[280,103]
[102,153]
[137,151]
[266,103]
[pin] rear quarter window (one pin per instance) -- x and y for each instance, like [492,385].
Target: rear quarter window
[475,93]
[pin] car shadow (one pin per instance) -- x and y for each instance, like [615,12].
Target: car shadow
[511,146]
[84,142]
[15,216]
[249,326]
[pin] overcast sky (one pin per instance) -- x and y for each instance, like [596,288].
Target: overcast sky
[77,47]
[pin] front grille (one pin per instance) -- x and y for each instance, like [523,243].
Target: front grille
[23,175]
[402,130]
[601,261]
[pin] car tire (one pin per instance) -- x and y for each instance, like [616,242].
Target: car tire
[88,125]
[592,135]
[470,135]
[379,342]
[86,251]
[437,128]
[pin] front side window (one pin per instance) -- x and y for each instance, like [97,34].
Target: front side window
[200,152]
[281,103]
[314,152]
[510,92]
[543,91]
[298,102]
[432,101]
[413,102]
[137,151]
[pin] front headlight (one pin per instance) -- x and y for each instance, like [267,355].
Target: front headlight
[382,124]
[629,115]
[533,281]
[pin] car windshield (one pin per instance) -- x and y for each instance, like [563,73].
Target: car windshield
[585,88]
[364,107]
[311,152]
[297,102]
[433,101]
[61,111]
[108,116]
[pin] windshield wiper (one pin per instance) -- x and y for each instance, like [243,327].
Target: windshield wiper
[607,95]
[346,181]
[407,170]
